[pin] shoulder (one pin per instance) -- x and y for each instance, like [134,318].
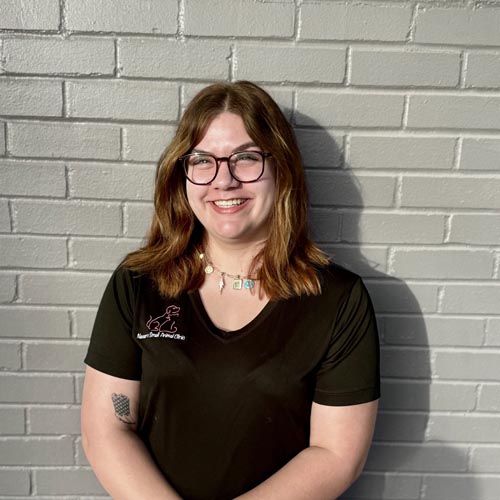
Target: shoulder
[334,276]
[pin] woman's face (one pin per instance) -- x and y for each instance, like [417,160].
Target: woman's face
[229,210]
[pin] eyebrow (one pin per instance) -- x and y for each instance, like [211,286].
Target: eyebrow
[241,147]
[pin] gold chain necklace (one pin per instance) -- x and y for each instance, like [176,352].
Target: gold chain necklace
[239,282]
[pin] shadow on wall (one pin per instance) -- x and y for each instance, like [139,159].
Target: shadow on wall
[402,463]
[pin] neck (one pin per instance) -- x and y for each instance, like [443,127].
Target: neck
[234,259]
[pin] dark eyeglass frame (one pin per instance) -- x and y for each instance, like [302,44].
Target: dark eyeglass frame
[218,161]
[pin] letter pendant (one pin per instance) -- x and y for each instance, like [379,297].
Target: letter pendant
[237,283]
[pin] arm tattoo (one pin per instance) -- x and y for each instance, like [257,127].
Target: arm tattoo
[122,408]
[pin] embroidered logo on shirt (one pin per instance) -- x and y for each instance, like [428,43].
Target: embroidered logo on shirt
[163,326]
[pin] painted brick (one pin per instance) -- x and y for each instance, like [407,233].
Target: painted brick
[30,14]
[464,26]
[11,422]
[79,381]
[7,288]
[420,396]
[483,70]
[399,427]
[342,189]
[4,216]
[369,227]
[240,18]
[83,322]
[467,365]
[304,64]
[2,139]
[398,297]
[28,178]
[10,356]
[480,154]
[100,253]
[36,389]
[27,251]
[123,100]
[405,363]
[68,217]
[69,56]
[434,331]
[458,428]
[449,192]
[26,97]
[53,357]
[172,59]
[460,487]
[33,322]
[443,263]
[485,459]
[367,261]
[146,142]
[320,148]
[150,16]
[401,153]
[405,68]
[332,21]
[325,224]
[458,112]
[413,458]
[54,420]
[129,182]
[14,482]
[387,486]
[67,482]
[493,332]
[483,229]
[489,398]
[62,288]
[337,109]
[33,451]
[81,459]
[67,140]
[479,299]
[137,219]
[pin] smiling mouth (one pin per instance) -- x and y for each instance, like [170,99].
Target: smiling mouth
[229,203]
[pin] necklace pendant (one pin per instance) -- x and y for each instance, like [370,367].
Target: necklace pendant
[237,283]
[221,283]
[248,284]
[209,269]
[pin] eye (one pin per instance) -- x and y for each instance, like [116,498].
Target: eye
[201,161]
[248,156]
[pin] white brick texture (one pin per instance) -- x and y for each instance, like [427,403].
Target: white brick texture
[396,108]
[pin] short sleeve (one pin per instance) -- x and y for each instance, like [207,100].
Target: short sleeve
[112,349]
[349,373]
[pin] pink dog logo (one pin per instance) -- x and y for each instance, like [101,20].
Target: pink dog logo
[164,323]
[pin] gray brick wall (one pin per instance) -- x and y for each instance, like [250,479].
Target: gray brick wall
[397,111]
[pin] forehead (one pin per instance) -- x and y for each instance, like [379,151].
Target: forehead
[225,129]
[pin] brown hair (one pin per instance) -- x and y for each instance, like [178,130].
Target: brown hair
[289,260]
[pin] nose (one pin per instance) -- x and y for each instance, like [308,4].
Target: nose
[224,179]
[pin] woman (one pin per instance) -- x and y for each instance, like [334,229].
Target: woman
[229,358]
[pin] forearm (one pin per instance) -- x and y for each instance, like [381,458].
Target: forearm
[315,473]
[125,468]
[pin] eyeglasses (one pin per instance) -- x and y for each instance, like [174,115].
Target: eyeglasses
[244,166]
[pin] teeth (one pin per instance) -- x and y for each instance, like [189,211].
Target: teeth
[229,203]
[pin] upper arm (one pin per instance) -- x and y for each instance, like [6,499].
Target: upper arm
[346,431]
[108,403]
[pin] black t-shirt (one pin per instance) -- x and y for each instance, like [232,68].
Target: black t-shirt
[221,413]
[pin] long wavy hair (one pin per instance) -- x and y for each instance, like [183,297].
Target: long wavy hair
[288,262]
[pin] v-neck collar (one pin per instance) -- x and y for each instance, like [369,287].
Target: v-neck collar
[223,335]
